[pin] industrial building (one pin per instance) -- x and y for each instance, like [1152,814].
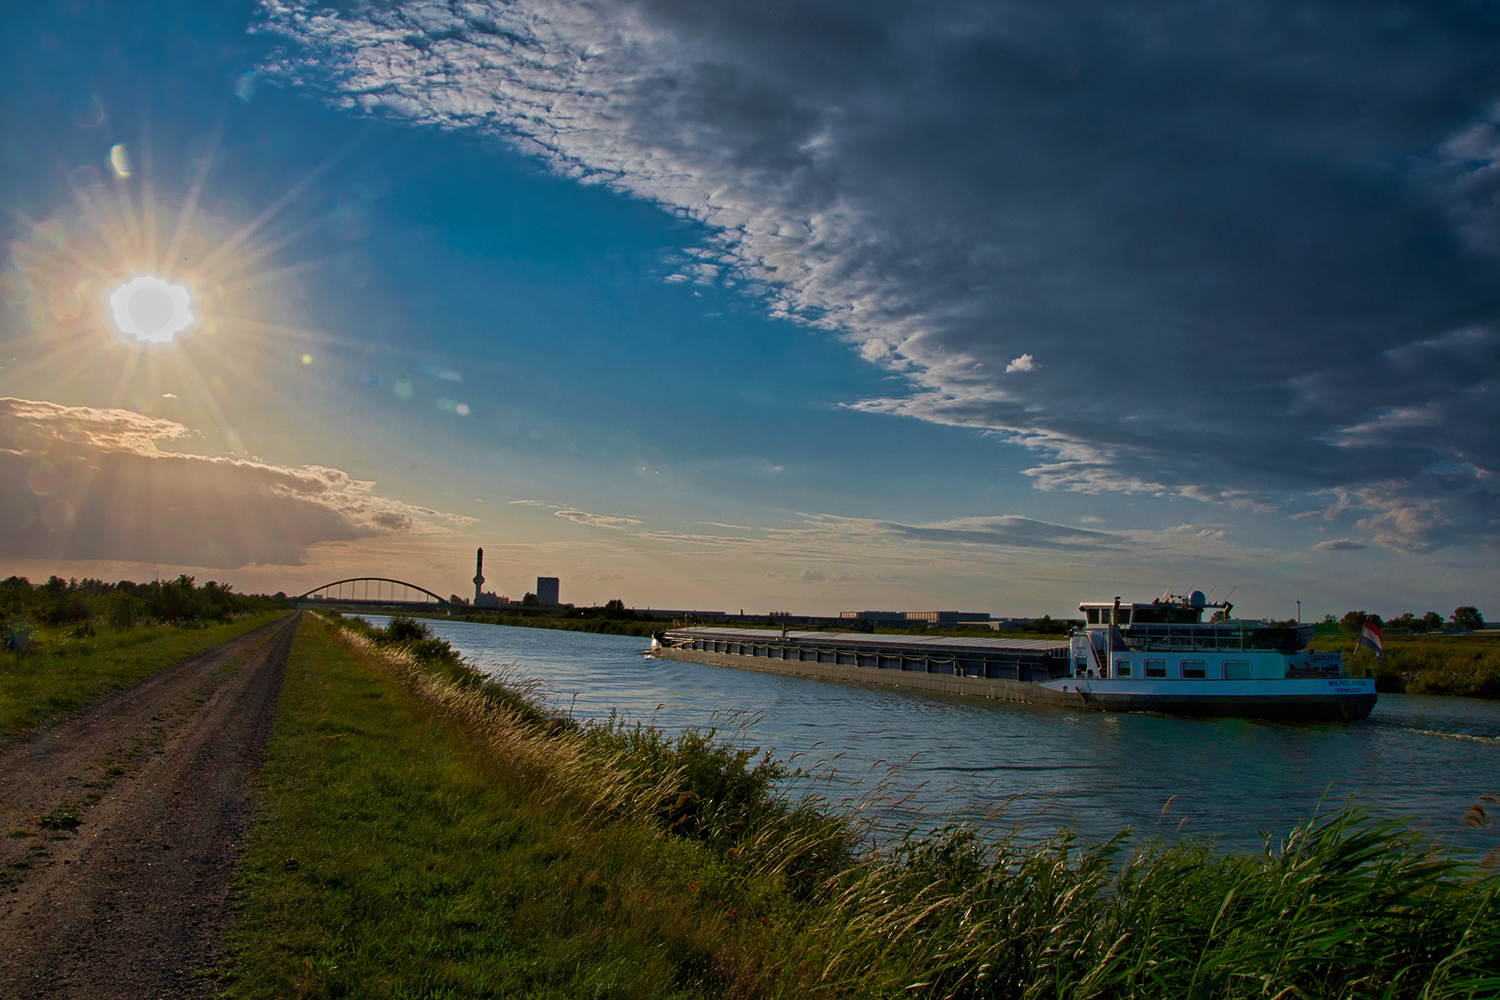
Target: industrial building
[945,619]
[547,590]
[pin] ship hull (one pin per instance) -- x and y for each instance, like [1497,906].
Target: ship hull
[1300,699]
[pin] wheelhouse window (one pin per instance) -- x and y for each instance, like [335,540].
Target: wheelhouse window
[1156,668]
[1092,614]
[1194,670]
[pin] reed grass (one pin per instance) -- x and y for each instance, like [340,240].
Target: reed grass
[680,861]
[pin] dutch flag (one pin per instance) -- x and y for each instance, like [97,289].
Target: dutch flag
[1370,638]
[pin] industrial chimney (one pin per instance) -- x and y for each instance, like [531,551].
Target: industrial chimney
[478,574]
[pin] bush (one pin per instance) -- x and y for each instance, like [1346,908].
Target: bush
[403,628]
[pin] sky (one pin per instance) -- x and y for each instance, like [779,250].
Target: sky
[793,305]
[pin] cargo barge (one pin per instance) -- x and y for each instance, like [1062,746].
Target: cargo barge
[1142,657]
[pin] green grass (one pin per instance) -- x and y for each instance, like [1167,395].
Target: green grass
[1467,665]
[395,857]
[426,834]
[67,667]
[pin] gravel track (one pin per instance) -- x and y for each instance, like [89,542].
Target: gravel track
[120,826]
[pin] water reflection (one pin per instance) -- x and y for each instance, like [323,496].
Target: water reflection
[1427,757]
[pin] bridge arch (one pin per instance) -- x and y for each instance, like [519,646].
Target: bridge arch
[358,583]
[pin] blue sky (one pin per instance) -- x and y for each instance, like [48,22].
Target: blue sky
[810,306]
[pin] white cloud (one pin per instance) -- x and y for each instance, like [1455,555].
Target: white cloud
[1024,363]
[1339,545]
[596,520]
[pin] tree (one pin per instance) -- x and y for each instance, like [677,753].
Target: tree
[530,601]
[1432,621]
[1407,622]
[1354,622]
[1467,617]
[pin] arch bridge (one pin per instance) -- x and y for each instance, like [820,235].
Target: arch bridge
[373,592]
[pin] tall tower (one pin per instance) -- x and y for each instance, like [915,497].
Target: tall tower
[478,574]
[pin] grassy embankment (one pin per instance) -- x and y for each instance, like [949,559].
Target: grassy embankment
[1421,664]
[67,667]
[425,833]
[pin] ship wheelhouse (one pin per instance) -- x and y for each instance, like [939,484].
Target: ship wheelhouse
[1167,639]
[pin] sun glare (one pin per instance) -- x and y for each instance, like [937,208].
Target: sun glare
[150,309]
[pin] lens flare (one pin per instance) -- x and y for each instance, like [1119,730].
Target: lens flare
[151,310]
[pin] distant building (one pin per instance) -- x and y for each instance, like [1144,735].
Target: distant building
[547,590]
[946,618]
[484,598]
[875,616]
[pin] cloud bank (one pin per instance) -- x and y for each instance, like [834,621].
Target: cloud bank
[1223,252]
[84,483]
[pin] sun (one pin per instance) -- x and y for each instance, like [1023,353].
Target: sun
[150,309]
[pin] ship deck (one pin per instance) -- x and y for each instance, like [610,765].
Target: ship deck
[979,657]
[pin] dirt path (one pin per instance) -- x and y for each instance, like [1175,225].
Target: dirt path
[119,828]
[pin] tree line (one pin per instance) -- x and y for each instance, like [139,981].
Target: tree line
[124,604]
[1466,618]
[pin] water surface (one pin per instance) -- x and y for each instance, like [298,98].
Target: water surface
[1420,756]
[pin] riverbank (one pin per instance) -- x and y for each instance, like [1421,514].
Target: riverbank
[1466,665]
[646,627]
[601,626]
[64,667]
[425,832]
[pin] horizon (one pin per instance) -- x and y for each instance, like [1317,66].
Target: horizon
[814,308]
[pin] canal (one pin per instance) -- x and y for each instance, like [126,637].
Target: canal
[928,759]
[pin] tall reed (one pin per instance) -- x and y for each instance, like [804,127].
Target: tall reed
[1346,905]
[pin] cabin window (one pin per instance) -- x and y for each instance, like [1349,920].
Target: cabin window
[1156,668]
[1194,670]
[1092,615]
[1122,668]
[1236,670]
[1123,617]
[1083,668]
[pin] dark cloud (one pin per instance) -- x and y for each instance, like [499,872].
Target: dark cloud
[1339,545]
[1248,251]
[84,483]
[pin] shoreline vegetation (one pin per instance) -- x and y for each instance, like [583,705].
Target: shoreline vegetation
[68,643]
[427,831]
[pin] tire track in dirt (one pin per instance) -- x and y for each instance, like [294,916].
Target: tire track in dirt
[132,900]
